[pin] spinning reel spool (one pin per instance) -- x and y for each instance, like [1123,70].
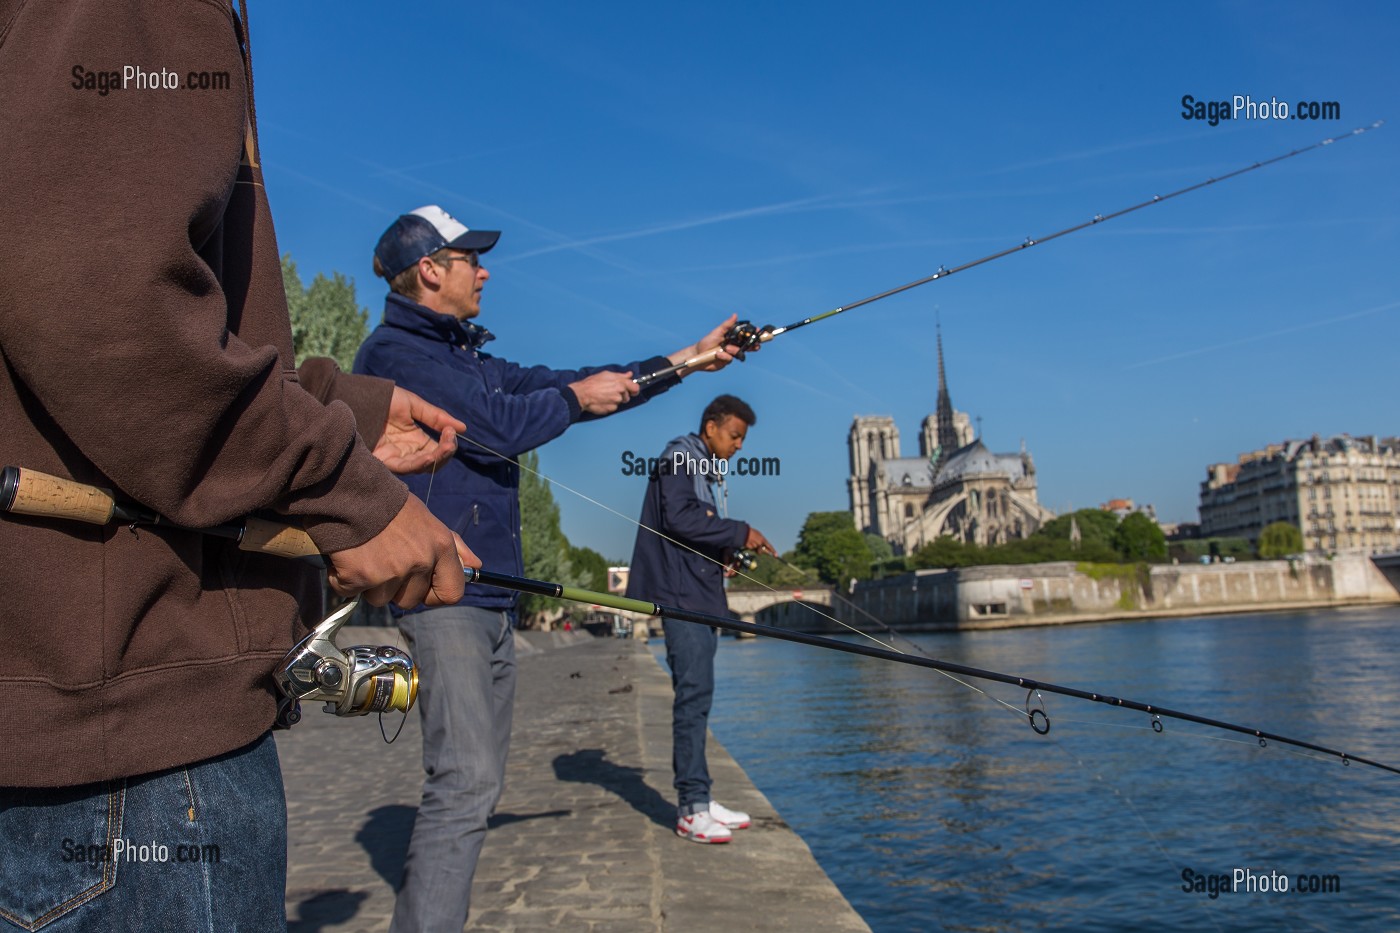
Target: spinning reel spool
[356,681]
[744,559]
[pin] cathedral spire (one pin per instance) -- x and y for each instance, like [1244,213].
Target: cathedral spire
[947,434]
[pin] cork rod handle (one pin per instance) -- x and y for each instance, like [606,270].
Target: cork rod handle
[29,492]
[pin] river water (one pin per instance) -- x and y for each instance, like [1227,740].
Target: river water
[933,807]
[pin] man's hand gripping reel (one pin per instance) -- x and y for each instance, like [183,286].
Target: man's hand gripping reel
[360,680]
[744,334]
[747,336]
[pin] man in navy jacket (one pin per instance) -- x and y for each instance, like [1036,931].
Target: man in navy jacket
[428,344]
[686,567]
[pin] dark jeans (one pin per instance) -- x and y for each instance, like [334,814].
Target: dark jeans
[199,849]
[466,695]
[690,652]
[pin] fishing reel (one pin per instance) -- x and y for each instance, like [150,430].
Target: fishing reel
[746,336]
[743,559]
[356,681]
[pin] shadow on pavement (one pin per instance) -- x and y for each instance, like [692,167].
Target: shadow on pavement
[385,837]
[386,833]
[325,909]
[591,766]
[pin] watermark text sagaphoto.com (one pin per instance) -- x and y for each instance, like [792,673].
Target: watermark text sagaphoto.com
[1261,881]
[1245,107]
[136,78]
[683,463]
[125,850]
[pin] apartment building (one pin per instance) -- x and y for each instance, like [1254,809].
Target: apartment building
[1342,492]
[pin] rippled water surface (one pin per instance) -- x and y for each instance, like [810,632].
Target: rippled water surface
[935,808]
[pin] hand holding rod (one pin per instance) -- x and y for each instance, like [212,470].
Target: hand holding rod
[351,681]
[743,335]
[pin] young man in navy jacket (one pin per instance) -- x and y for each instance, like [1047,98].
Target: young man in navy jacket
[685,503]
[428,343]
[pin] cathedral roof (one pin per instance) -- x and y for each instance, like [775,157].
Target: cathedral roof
[976,460]
[908,471]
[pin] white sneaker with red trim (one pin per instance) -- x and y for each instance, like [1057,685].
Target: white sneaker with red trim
[734,819]
[702,827]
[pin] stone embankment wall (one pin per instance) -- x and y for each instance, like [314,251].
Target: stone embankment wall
[1047,594]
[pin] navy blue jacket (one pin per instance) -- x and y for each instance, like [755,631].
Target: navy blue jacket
[681,505]
[509,408]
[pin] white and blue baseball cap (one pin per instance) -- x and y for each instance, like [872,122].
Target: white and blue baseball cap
[423,232]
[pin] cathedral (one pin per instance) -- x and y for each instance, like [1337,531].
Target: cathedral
[956,486]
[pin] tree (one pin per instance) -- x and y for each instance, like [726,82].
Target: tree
[1280,540]
[830,545]
[546,551]
[945,552]
[1139,538]
[880,549]
[591,567]
[771,572]
[1095,527]
[327,320]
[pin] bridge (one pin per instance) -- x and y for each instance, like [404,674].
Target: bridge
[747,604]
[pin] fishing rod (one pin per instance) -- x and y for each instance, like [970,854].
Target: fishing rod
[1038,718]
[352,681]
[365,679]
[743,558]
[746,336]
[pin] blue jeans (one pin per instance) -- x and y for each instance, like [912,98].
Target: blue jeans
[690,652]
[466,696]
[201,848]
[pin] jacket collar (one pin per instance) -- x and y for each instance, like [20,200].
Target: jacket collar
[409,315]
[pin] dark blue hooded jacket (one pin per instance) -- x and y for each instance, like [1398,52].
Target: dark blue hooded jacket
[509,408]
[681,505]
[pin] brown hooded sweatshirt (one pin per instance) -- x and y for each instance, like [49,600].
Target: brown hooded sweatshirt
[145,347]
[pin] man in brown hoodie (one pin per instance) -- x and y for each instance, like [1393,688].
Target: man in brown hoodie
[145,347]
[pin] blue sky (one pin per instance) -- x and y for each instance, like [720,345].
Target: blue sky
[654,167]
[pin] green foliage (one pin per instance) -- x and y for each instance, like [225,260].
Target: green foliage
[1280,540]
[1103,540]
[547,553]
[945,553]
[890,567]
[1096,529]
[591,567]
[830,545]
[1139,538]
[1134,580]
[880,549]
[327,320]
[772,572]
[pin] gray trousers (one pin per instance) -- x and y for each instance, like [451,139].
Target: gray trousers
[466,696]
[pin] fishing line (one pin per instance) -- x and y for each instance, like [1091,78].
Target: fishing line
[1033,686]
[664,537]
[746,336]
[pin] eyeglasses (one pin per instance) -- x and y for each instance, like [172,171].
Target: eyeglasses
[471,258]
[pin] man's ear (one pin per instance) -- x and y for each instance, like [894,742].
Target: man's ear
[429,273]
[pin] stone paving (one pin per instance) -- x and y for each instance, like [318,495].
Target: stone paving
[583,838]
